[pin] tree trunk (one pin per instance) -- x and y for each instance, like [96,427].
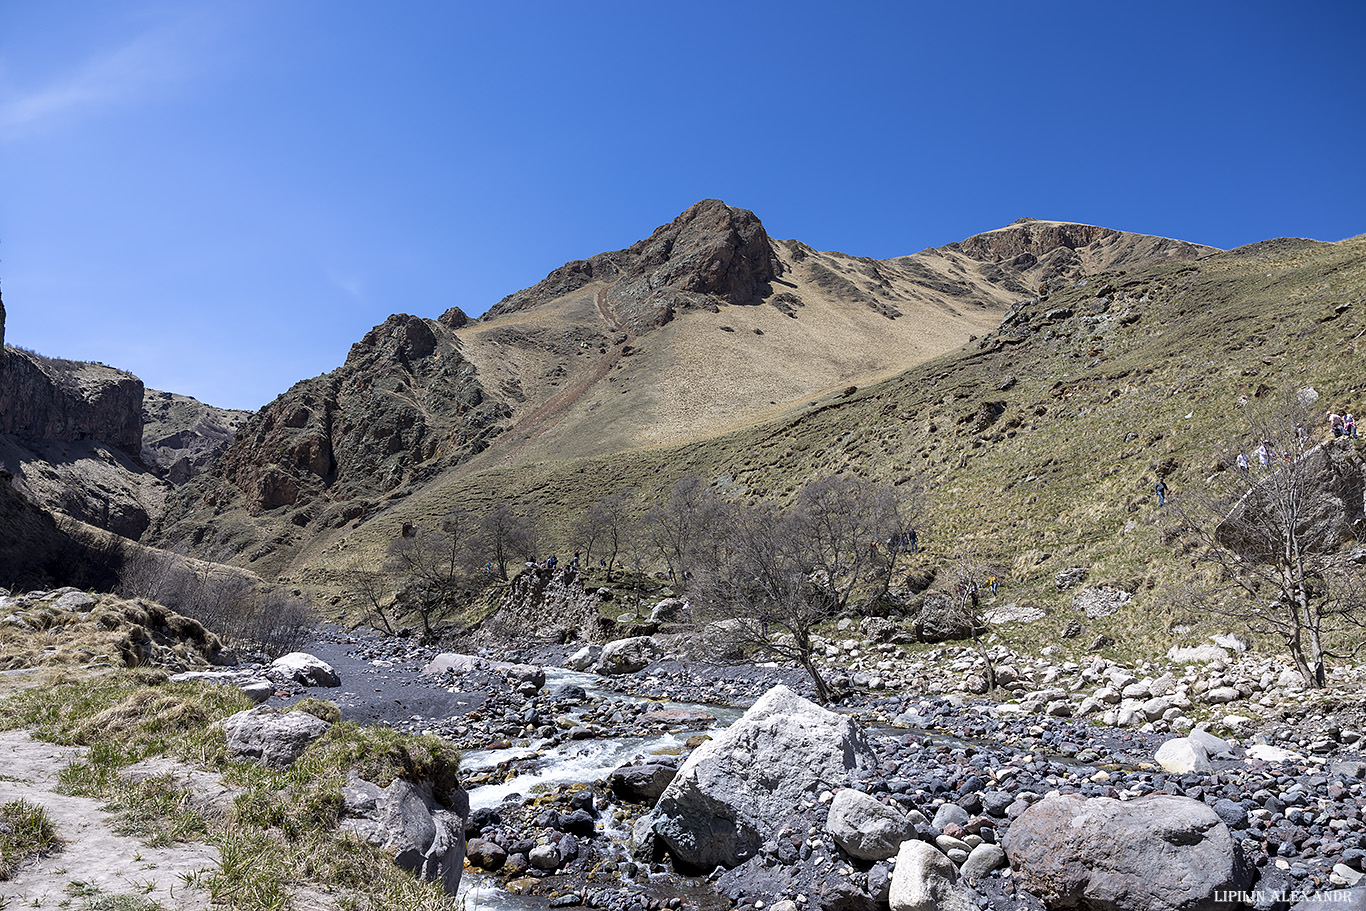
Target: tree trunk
[822,689]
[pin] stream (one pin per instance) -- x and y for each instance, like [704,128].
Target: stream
[538,767]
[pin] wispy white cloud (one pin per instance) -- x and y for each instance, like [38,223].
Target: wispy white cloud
[145,67]
[348,284]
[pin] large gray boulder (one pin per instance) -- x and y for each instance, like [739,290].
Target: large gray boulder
[1329,479]
[865,827]
[271,737]
[1156,853]
[924,881]
[734,791]
[407,823]
[643,782]
[626,656]
[303,669]
[939,619]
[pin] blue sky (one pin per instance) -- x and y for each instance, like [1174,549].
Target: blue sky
[222,196]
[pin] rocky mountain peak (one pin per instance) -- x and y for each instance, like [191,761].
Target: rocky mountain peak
[2,327]
[401,337]
[1029,235]
[711,248]
[711,254]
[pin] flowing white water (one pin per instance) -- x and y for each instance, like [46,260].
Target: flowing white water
[573,761]
[577,760]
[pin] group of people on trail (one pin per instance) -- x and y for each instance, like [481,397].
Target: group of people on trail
[1343,425]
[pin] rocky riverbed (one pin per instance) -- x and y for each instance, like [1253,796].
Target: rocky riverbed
[1277,766]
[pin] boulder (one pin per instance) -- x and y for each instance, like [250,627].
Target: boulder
[273,738]
[303,669]
[1182,755]
[406,822]
[642,782]
[584,658]
[257,689]
[939,619]
[1329,478]
[734,790]
[1155,853]
[626,656]
[485,854]
[668,610]
[1100,601]
[983,859]
[1196,654]
[866,828]
[924,881]
[454,663]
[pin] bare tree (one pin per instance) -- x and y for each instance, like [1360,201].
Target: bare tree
[760,594]
[434,565]
[842,525]
[374,592]
[1274,527]
[680,530]
[969,580]
[774,575]
[505,534]
[609,520]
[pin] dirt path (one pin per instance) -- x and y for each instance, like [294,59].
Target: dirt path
[94,861]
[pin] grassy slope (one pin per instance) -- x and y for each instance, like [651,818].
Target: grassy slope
[1145,375]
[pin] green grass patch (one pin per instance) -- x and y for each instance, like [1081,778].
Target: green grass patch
[281,835]
[25,832]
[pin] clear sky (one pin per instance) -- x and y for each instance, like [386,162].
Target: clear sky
[222,196]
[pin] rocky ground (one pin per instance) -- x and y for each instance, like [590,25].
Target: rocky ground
[1283,769]
[1280,766]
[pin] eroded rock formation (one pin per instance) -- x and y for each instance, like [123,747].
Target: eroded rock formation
[712,253]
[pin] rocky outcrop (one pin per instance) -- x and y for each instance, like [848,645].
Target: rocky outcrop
[1155,853]
[182,436]
[36,552]
[47,399]
[541,600]
[733,792]
[1329,487]
[712,253]
[1042,251]
[409,823]
[404,407]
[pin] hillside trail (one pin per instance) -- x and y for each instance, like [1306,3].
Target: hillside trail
[94,862]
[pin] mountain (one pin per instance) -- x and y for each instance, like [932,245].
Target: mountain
[72,438]
[706,326]
[1039,442]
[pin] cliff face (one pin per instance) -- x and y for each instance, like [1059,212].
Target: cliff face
[710,253]
[404,406]
[181,436]
[44,399]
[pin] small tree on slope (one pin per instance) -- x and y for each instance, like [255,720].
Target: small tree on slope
[1276,533]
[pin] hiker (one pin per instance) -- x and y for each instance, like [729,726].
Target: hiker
[1335,422]
[1161,491]
[992,583]
[1263,453]
[1242,462]
[911,544]
[1349,427]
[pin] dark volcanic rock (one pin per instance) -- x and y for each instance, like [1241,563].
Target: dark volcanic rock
[48,399]
[404,405]
[710,254]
